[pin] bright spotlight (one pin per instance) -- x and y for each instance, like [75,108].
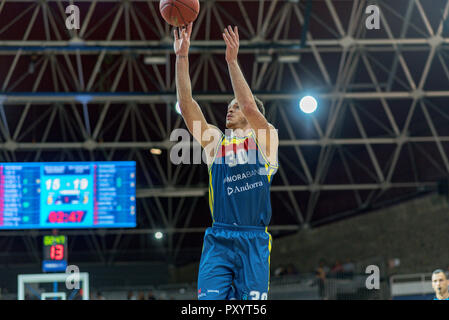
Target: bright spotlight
[177,108]
[156,151]
[308,104]
[158,235]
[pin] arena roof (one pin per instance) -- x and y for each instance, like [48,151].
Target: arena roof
[380,132]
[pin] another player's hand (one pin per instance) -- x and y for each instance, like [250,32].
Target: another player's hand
[231,37]
[182,40]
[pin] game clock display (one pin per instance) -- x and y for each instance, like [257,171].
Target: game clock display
[67,195]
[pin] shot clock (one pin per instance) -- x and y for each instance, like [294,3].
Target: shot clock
[55,253]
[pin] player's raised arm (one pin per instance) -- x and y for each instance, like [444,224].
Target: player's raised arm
[191,111]
[265,132]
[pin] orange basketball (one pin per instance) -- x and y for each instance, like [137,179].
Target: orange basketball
[179,13]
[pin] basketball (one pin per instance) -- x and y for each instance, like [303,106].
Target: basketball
[179,13]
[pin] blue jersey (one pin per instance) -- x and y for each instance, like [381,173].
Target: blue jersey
[240,178]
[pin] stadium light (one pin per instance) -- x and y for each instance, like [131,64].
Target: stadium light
[156,151]
[308,104]
[76,41]
[261,58]
[158,235]
[289,58]
[155,60]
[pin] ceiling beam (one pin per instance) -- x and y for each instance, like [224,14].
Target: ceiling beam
[173,192]
[140,97]
[92,145]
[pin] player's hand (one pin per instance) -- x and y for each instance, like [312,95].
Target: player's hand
[182,40]
[231,37]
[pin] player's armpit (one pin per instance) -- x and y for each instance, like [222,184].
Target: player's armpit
[210,140]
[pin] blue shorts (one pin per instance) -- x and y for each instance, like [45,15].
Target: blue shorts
[235,263]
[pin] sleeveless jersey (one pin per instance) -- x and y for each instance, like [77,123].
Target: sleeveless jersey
[240,177]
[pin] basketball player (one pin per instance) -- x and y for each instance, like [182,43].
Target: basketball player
[235,260]
[440,285]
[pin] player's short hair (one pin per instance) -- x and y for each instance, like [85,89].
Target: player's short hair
[259,105]
[439,271]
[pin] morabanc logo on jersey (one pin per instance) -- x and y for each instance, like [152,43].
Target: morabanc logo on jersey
[240,176]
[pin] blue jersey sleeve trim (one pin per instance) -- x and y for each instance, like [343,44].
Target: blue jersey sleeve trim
[215,153]
[276,166]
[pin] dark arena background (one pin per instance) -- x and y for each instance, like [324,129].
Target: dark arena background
[359,203]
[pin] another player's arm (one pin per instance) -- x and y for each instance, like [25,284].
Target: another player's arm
[266,134]
[191,111]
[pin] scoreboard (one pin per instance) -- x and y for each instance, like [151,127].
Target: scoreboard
[55,195]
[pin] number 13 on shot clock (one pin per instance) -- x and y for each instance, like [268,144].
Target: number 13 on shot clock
[55,254]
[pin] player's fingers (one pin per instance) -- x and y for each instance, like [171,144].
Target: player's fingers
[225,39]
[233,37]
[236,31]
[229,37]
[233,34]
[228,40]
[226,34]
[189,29]
[175,31]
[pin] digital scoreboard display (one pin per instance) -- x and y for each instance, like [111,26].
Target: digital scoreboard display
[55,254]
[55,195]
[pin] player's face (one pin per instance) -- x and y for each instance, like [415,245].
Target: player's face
[439,283]
[234,117]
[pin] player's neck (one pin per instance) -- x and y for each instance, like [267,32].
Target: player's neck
[443,296]
[241,132]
